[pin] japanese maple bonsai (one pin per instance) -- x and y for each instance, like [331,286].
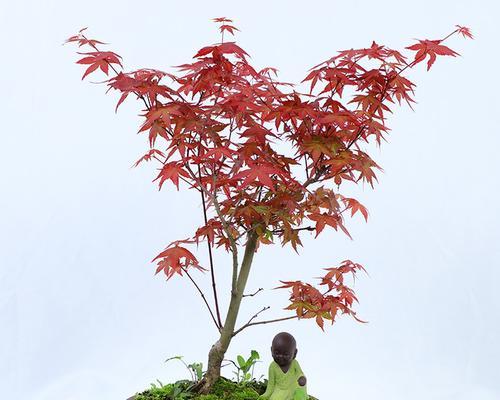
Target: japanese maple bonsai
[212,127]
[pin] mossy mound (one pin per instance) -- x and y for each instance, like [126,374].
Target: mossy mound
[224,389]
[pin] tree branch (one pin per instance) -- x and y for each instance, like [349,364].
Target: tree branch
[116,72]
[231,240]
[253,294]
[250,320]
[247,230]
[203,297]
[212,272]
[249,323]
[213,197]
[307,228]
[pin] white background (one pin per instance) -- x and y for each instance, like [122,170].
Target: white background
[83,317]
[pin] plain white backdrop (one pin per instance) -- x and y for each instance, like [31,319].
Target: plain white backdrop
[82,316]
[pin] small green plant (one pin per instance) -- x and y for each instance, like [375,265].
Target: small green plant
[243,366]
[153,385]
[180,391]
[195,369]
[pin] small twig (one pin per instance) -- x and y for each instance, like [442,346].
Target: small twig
[116,72]
[203,297]
[253,294]
[247,230]
[308,228]
[250,320]
[212,272]
[262,322]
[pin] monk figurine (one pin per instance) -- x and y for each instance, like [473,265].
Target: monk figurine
[286,380]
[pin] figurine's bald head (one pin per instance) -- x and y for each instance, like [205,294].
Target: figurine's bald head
[284,339]
[283,349]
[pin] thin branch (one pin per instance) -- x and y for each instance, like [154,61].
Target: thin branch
[212,272]
[250,320]
[262,322]
[307,228]
[116,72]
[253,294]
[451,34]
[317,175]
[247,230]
[203,297]
[232,241]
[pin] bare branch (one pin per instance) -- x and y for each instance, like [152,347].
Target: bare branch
[212,272]
[249,323]
[307,228]
[250,320]
[253,294]
[203,297]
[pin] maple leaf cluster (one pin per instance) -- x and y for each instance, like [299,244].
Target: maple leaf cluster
[175,260]
[213,127]
[309,302]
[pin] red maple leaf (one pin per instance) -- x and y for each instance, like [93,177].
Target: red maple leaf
[147,157]
[323,219]
[176,260]
[228,28]
[99,59]
[431,48]
[172,170]
[464,31]
[355,206]
[222,19]
[261,172]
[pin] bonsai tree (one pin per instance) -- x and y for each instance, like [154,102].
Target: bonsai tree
[213,126]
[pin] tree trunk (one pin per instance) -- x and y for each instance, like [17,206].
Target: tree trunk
[219,348]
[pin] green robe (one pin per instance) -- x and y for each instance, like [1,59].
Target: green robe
[284,386]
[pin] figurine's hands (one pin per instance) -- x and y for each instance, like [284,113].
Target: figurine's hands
[302,380]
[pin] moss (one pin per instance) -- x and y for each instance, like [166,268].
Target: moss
[226,389]
[223,389]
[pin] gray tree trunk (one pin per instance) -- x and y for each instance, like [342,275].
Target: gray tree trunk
[219,348]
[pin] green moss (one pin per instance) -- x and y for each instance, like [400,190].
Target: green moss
[226,389]
[207,397]
[223,389]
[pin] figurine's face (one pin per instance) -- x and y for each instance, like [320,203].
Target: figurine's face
[283,352]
